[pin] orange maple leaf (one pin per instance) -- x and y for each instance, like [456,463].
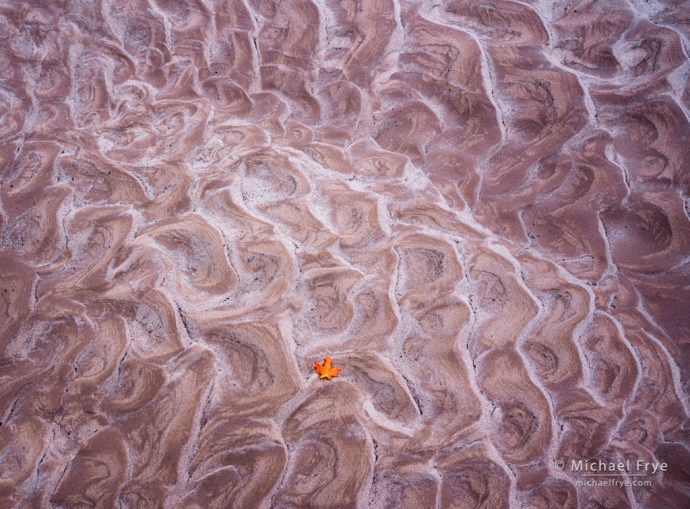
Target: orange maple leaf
[326,370]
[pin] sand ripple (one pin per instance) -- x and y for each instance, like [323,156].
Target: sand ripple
[479,209]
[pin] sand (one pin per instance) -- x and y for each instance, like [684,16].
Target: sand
[478,209]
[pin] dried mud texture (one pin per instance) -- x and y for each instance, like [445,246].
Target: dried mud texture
[478,208]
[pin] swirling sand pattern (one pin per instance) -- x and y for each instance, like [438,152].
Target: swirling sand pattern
[478,208]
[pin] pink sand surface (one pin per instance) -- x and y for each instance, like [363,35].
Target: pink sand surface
[479,209]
